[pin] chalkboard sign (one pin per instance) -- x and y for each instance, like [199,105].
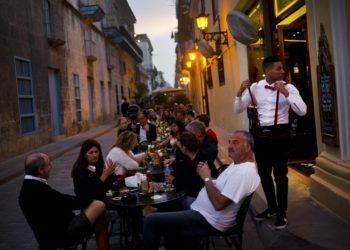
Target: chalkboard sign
[328,106]
[327,92]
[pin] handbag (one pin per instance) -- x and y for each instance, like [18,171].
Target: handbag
[252,114]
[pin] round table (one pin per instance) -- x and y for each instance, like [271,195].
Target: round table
[132,211]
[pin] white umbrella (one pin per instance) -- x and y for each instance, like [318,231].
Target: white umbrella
[167,90]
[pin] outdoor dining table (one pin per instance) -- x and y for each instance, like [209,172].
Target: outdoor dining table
[131,209]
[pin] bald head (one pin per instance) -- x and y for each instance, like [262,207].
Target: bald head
[34,162]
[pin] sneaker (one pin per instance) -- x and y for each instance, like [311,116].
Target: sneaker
[281,222]
[264,215]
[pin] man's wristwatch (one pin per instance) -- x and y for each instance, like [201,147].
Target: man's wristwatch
[206,179]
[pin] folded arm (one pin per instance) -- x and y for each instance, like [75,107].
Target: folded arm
[218,200]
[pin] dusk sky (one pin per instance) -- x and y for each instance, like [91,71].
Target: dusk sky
[157,19]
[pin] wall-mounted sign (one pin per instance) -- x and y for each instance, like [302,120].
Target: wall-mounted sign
[327,92]
[283,5]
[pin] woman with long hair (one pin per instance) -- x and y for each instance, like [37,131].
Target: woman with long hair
[122,155]
[89,175]
[122,125]
[176,129]
[167,117]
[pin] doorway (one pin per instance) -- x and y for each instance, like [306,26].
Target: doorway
[292,47]
[55,101]
[91,99]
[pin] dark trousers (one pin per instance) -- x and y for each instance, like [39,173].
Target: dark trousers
[272,155]
[178,229]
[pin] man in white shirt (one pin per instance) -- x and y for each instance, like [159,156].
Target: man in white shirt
[217,204]
[272,137]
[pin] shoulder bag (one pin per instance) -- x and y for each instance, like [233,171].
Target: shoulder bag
[252,113]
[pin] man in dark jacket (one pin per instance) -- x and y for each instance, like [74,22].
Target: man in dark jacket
[145,130]
[209,147]
[124,107]
[185,175]
[49,212]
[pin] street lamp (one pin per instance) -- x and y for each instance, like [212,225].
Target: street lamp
[202,23]
[192,55]
[184,80]
[188,64]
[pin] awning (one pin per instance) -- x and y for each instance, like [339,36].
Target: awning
[167,90]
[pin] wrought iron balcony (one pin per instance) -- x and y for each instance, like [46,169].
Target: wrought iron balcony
[127,42]
[54,25]
[92,9]
[109,57]
[90,50]
[55,35]
[110,25]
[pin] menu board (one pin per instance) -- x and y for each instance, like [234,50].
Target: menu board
[328,105]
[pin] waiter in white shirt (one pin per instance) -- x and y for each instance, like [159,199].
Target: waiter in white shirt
[273,98]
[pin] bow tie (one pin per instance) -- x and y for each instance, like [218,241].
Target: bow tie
[270,87]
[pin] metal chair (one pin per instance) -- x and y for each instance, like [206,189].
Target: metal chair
[82,243]
[233,236]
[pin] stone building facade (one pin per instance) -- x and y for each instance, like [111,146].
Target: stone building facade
[64,67]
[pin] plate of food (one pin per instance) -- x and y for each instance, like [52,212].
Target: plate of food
[156,197]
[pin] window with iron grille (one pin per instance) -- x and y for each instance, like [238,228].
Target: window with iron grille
[220,62]
[48,17]
[208,77]
[76,82]
[25,95]
[215,7]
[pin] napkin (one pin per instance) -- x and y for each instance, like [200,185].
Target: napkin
[134,181]
[131,181]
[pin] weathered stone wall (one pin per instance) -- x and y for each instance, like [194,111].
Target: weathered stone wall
[22,35]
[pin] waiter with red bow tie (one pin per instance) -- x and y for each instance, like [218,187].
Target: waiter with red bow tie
[273,98]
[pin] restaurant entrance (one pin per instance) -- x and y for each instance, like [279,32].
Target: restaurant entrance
[292,48]
[284,34]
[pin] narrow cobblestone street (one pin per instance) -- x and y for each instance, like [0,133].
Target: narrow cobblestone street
[311,226]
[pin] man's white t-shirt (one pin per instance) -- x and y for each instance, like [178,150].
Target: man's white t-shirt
[236,182]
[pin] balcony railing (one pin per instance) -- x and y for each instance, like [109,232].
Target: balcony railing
[55,35]
[110,25]
[90,50]
[92,9]
[53,24]
[109,58]
[127,42]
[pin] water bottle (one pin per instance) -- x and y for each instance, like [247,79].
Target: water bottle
[167,170]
